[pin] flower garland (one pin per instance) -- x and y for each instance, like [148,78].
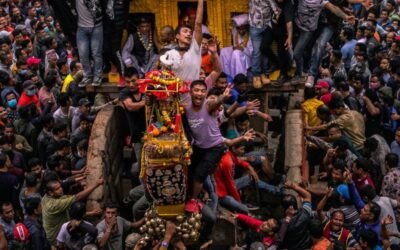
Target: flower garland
[156,77]
[149,45]
[245,40]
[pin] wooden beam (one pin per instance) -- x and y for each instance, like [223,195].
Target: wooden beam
[104,88]
[286,88]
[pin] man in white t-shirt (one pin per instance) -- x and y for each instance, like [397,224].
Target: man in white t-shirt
[189,48]
[76,233]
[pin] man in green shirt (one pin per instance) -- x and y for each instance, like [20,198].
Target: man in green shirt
[55,206]
[349,121]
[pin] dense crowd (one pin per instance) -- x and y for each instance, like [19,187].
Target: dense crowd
[346,52]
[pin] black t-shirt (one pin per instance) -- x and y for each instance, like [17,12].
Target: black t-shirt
[286,16]
[9,188]
[373,122]
[136,119]
[297,235]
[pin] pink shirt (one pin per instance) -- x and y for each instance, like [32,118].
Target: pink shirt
[46,96]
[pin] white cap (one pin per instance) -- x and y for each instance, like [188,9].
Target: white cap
[241,20]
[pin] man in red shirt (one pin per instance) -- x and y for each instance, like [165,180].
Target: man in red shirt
[226,185]
[361,175]
[29,96]
[266,228]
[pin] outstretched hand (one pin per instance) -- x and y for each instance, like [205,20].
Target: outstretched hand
[249,135]
[348,177]
[227,93]
[387,220]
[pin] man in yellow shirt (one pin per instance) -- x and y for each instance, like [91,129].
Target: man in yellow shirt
[309,107]
[74,68]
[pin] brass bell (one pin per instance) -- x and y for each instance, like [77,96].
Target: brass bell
[148,224]
[146,238]
[163,231]
[153,222]
[192,220]
[150,231]
[143,228]
[179,218]
[197,225]
[193,234]
[198,216]
[185,236]
[162,225]
[157,230]
[185,224]
[178,228]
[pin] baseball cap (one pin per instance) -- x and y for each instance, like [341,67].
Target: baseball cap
[20,27]
[343,190]
[31,61]
[83,102]
[322,84]
[28,84]
[21,233]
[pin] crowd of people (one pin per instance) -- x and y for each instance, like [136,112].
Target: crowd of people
[346,52]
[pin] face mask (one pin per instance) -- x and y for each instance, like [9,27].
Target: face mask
[31,92]
[374,85]
[12,103]
[46,29]
[79,154]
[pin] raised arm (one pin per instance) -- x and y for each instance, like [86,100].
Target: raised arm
[199,22]
[355,196]
[216,62]
[85,193]
[321,205]
[301,191]
[338,12]
[371,107]
[214,105]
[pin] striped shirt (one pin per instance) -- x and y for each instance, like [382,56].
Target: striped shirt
[351,216]
[351,241]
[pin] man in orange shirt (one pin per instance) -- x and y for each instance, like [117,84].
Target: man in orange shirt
[317,236]
[206,60]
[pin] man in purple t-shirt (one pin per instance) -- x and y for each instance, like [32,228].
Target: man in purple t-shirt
[207,142]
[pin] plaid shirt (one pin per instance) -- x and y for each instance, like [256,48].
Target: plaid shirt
[391,186]
[261,12]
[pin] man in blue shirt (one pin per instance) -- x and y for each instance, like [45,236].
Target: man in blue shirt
[369,212]
[347,50]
